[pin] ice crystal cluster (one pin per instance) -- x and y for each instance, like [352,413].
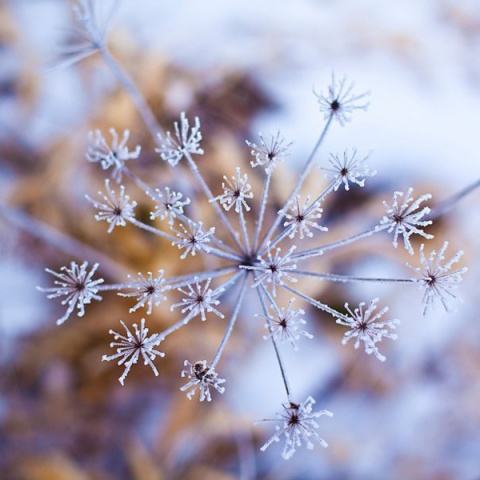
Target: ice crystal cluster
[249,253]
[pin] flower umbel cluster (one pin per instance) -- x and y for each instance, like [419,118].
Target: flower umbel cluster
[298,423]
[254,256]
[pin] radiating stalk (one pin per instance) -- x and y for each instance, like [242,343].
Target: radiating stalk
[260,291]
[142,106]
[231,322]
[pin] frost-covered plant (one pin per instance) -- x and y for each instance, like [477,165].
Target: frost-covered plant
[251,253]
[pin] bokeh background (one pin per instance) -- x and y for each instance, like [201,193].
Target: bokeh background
[242,67]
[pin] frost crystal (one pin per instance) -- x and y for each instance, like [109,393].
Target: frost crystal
[111,156]
[404,219]
[131,346]
[115,211]
[148,290]
[437,280]
[76,284]
[193,239]
[170,205]
[364,327]
[186,141]
[235,192]
[284,326]
[301,219]
[275,269]
[339,102]
[201,376]
[298,424]
[198,300]
[269,153]
[349,169]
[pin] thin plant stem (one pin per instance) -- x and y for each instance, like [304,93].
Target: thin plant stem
[315,252]
[243,225]
[261,214]
[262,291]
[183,280]
[446,205]
[347,278]
[176,326]
[60,240]
[232,321]
[312,301]
[127,83]
[149,228]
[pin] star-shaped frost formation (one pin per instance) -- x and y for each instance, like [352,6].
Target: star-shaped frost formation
[365,328]
[406,219]
[193,239]
[284,326]
[235,192]
[185,141]
[149,291]
[132,346]
[199,300]
[339,102]
[298,423]
[300,219]
[201,377]
[275,269]
[348,169]
[269,152]
[111,156]
[77,285]
[116,210]
[439,281]
[170,205]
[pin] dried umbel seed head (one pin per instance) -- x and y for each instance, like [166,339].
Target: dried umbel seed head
[201,376]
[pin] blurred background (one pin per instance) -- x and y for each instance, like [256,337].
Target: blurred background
[242,67]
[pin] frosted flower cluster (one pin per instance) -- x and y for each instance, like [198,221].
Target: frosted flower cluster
[298,424]
[248,252]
